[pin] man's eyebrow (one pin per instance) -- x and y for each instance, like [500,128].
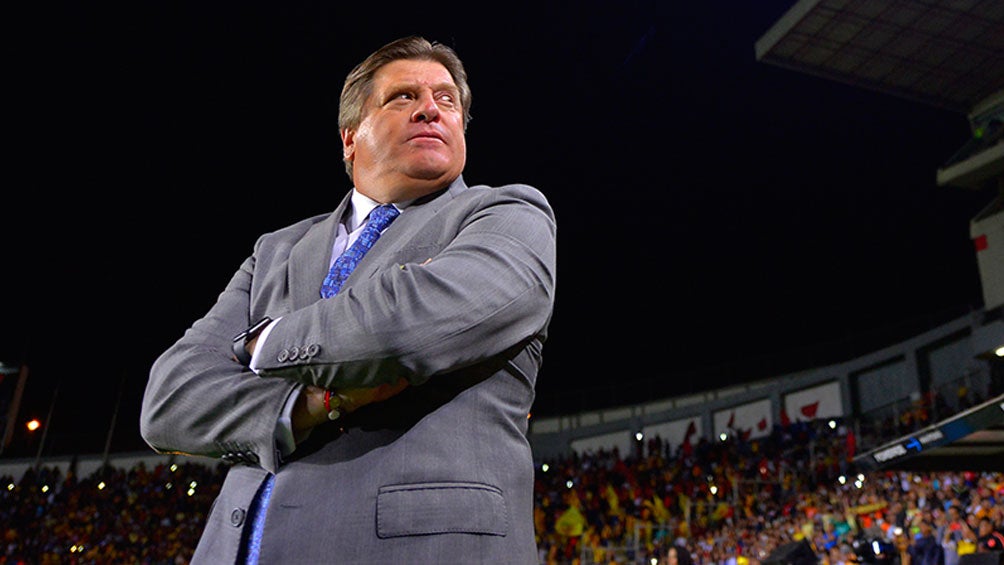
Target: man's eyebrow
[395,87]
[447,86]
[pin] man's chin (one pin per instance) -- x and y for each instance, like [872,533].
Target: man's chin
[428,175]
[431,172]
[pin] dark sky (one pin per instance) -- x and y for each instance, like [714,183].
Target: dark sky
[719,219]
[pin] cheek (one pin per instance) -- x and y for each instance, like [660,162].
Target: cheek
[369,134]
[367,143]
[460,146]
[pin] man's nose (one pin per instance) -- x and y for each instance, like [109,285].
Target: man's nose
[426,111]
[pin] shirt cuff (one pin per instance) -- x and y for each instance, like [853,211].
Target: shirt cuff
[253,365]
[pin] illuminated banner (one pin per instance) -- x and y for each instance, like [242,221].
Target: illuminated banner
[966,426]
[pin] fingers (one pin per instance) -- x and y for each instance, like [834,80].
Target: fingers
[355,398]
[385,391]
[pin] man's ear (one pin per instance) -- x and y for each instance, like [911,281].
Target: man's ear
[348,136]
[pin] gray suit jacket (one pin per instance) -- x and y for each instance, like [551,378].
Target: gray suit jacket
[441,473]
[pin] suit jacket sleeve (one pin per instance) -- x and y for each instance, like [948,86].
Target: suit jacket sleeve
[430,305]
[450,284]
[201,401]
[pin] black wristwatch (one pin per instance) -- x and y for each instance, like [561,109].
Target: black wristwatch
[240,342]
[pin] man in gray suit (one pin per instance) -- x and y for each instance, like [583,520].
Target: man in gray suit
[381,419]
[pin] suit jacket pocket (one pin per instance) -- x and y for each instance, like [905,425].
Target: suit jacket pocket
[440,508]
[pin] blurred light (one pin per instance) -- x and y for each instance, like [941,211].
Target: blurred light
[10,486]
[545,467]
[638,436]
[842,480]
[169,486]
[192,484]
[569,483]
[191,492]
[101,485]
[876,548]
[999,352]
[33,425]
[45,488]
[529,415]
[723,436]
[858,484]
[654,561]
[174,467]
[714,489]
[861,477]
[832,424]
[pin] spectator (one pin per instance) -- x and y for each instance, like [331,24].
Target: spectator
[677,554]
[990,538]
[926,548]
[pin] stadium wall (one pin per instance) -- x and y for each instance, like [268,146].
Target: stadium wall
[953,357]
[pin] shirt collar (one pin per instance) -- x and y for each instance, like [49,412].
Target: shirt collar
[362,205]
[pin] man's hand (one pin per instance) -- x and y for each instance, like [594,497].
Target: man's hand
[354,398]
[309,409]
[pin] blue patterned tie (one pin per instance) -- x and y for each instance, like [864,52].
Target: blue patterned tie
[379,219]
[257,512]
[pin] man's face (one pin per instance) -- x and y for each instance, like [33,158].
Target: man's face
[925,527]
[411,139]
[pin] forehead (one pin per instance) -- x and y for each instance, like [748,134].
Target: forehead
[410,72]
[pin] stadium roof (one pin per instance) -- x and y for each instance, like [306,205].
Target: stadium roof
[972,440]
[946,53]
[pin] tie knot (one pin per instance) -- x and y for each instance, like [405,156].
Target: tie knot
[382,216]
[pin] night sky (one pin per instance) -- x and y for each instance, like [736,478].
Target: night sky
[720,220]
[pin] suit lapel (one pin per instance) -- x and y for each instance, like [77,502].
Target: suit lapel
[308,260]
[415,217]
[403,230]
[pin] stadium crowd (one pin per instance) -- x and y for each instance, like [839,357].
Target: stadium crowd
[731,502]
[139,515]
[735,502]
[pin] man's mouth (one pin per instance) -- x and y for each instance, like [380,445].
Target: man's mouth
[427,135]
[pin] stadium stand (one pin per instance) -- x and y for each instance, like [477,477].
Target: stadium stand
[723,492]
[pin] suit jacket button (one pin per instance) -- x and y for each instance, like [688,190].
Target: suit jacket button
[237,517]
[313,349]
[283,355]
[251,457]
[294,352]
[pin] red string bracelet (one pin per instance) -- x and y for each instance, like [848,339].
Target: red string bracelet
[332,411]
